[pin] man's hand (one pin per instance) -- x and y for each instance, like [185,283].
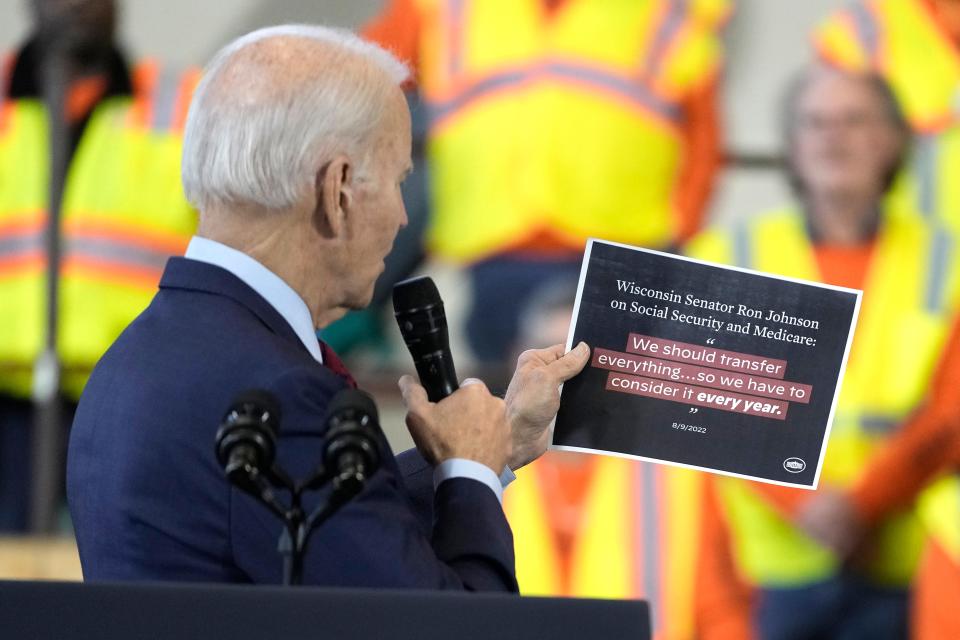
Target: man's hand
[470,423]
[830,518]
[533,397]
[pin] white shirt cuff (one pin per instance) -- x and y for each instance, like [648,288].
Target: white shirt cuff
[463,468]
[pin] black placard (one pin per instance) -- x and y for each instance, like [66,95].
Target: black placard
[705,366]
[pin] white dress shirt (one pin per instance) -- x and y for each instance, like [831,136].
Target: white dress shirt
[294,310]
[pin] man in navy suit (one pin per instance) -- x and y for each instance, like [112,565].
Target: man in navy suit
[296,144]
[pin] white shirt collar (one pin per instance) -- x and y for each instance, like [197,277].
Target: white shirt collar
[269,285]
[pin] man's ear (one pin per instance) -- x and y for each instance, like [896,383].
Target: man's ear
[333,187]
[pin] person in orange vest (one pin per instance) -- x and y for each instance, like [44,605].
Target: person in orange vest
[846,138]
[915,46]
[923,460]
[123,211]
[555,120]
[599,526]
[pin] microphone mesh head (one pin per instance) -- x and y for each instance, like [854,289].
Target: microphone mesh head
[353,399]
[262,401]
[415,293]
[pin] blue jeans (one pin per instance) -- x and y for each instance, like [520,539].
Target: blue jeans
[843,608]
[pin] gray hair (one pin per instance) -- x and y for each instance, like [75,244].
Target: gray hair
[885,97]
[260,143]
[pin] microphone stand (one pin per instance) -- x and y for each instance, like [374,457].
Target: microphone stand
[349,458]
[297,526]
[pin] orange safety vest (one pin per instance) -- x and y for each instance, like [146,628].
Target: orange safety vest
[123,215]
[568,124]
[901,40]
[636,538]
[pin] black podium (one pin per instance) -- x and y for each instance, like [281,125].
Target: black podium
[102,611]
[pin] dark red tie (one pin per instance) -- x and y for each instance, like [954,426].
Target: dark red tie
[333,362]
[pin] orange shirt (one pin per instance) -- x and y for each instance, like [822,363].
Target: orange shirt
[946,13]
[397,28]
[842,266]
[83,96]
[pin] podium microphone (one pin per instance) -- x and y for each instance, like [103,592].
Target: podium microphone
[247,439]
[423,324]
[246,448]
[351,453]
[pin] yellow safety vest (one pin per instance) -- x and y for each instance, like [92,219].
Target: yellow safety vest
[910,297]
[569,124]
[939,508]
[638,534]
[901,40]
[123,214]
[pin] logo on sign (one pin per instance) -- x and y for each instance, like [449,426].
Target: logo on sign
[794,465]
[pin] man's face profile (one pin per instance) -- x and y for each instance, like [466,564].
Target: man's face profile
[377,210]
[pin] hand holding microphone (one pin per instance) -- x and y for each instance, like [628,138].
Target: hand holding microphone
[533,396]
[423,324]
[445,420]
[469,424]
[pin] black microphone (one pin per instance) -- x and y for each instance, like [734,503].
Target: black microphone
[423,324]
[246,443]
[352,451]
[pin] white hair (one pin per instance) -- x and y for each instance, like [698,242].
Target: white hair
[261,143]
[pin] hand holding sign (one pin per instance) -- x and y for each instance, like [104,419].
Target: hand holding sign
[763,402]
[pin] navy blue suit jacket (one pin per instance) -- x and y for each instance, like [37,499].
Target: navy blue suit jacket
[150,502]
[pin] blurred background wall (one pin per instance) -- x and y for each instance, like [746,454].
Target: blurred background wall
[767,40]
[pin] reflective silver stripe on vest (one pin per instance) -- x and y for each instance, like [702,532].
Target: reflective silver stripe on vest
[456,31]
[650,537]
[672,23]
[925,152]
[118,252]
[941,257]
[879,424]
[868,31]
[440,110]
[11,246]
[632,90]
[165,96]
[742,253]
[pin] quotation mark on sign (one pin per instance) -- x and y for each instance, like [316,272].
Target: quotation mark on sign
[711,340]
[694,410]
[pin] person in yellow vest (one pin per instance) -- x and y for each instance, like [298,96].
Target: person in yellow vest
[555,120]
[915,46]
[598,526]
[845,136]
[922,460]
[123,211]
